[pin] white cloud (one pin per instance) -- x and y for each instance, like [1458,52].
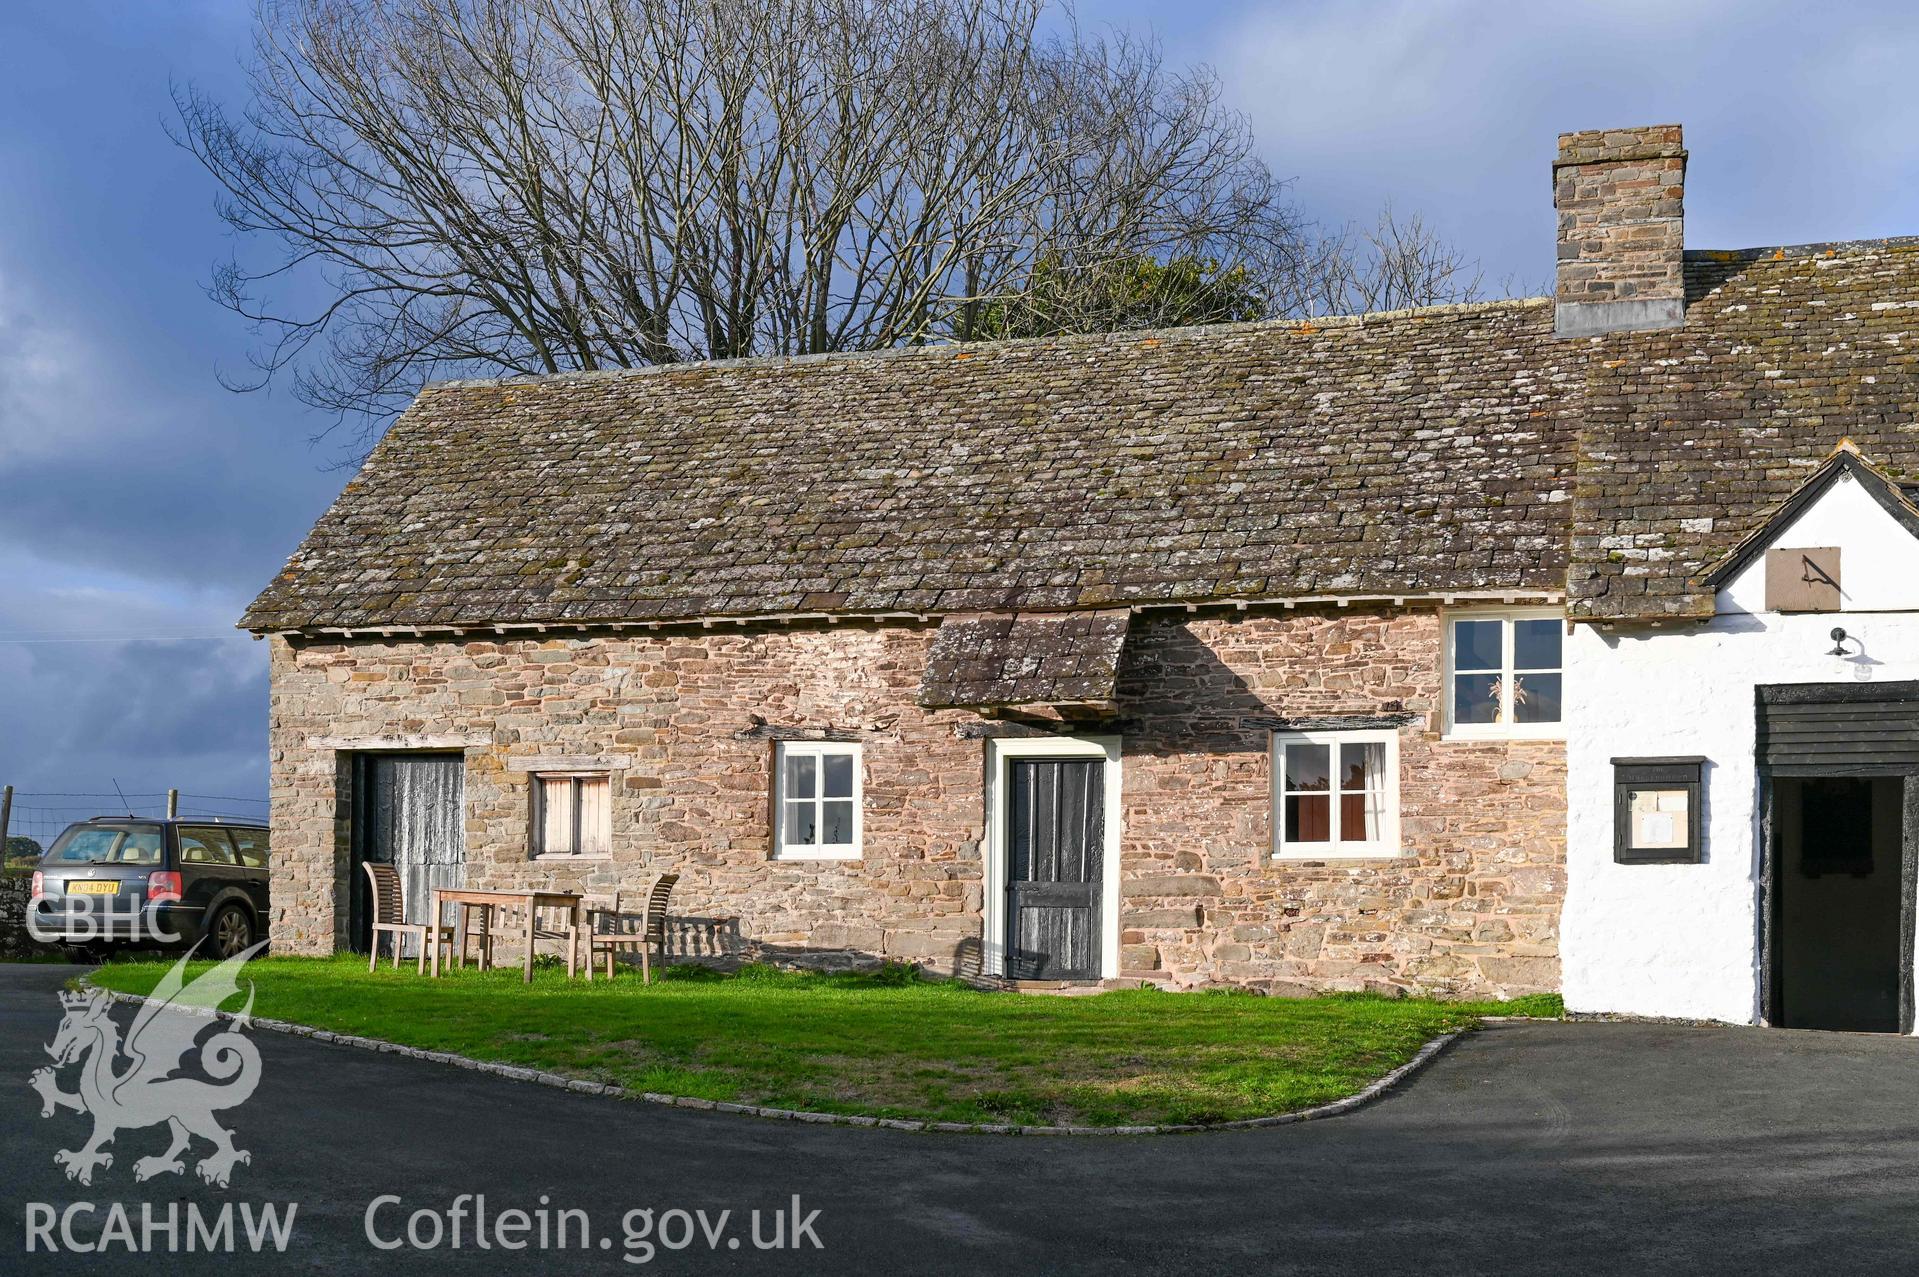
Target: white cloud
[1800,128]
[49,381]
[70,387]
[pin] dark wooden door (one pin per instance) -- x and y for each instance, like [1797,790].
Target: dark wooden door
[409,811]
[1054,851]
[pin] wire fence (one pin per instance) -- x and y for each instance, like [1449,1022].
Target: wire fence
[38,816]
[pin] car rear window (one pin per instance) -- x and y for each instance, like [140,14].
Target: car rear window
[107,845]
[251,844]
[202,846]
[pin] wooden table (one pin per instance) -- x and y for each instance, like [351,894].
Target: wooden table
[531,900]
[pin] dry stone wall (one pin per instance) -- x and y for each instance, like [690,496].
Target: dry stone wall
[15,897]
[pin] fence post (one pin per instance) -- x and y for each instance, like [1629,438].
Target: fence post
[6,816]
[173,804]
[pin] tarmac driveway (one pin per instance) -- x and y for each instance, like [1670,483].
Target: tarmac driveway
[1528,1148]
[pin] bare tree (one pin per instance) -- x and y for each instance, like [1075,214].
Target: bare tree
[529,186]
[1397,263]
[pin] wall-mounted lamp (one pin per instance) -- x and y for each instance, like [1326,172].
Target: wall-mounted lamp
[1838,641]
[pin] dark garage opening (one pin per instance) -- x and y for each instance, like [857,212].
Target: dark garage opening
[1838,884]
[409,812]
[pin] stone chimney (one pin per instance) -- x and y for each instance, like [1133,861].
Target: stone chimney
[1622,219]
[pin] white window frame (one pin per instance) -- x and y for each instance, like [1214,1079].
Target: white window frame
[1384,847]
[820,749]
[541,851]
[1506,728]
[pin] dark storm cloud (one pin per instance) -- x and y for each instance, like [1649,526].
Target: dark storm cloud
[190,501]
[136,496]
[140,712]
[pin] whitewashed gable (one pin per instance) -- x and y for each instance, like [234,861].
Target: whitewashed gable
[1878,555]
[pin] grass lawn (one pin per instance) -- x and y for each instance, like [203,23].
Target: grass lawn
[883,1043]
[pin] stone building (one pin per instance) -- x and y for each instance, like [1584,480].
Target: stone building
[1283,655]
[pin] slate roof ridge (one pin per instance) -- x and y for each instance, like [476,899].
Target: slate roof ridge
[1309,325]
[1798,252]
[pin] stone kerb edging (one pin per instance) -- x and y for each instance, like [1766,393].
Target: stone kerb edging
[1372,1091]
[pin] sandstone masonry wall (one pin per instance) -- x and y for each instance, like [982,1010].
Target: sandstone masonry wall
[1471,908]
[1620,197]
[685,720]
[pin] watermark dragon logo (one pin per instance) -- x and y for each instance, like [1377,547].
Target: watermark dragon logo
[146,1091]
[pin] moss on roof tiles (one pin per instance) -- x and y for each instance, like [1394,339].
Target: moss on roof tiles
[1693,436]
[1450,449]
[1043,474]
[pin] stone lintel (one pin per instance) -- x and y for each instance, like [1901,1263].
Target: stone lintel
[442,740]
[568,763]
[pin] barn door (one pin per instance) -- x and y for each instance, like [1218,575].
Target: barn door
[1054,851]
[408,812]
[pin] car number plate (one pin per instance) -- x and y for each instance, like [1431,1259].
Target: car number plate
[93,889]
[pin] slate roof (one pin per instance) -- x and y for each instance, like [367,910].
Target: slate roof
[1695,436]
[1447,450]
[1413,452]
[997,659]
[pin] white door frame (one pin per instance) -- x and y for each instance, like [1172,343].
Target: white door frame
[999,751]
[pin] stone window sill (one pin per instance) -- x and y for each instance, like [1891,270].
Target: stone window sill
[1495,735]
[561,858]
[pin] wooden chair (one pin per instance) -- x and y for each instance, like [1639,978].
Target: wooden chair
[389,915]
[509,923]
[607,928]
[476,925]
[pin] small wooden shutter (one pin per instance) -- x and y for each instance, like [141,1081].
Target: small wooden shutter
[1839,729]
[595,825]
[574,815]
[556,815]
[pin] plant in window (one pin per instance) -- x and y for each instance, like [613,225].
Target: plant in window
[1505,672]
[1519,694]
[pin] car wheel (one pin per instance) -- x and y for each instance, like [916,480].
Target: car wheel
[232,931]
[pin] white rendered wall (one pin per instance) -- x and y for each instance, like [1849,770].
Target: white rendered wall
[1683,940]
[1878,559]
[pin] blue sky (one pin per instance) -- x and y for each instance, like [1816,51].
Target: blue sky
[139,499]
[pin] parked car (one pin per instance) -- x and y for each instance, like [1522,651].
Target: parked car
[123,881]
